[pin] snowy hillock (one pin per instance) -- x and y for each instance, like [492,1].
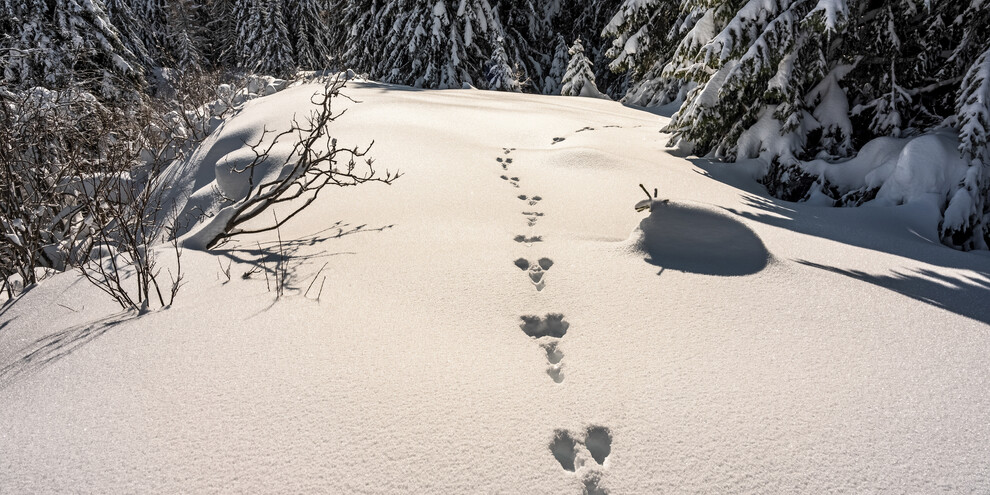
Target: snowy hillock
[502,319]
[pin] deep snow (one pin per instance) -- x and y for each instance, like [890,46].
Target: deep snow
[502,320]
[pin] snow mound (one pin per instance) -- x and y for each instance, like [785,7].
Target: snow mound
[699,239]
[901,169]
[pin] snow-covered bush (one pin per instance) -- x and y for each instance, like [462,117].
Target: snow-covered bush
[49,139]
[68,173]
[76,174]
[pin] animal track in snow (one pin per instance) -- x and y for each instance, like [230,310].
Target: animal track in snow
[572,453]
[532,217]
[512,180]
[554,356]
[536,271]
[531,200]
[557,140]
[553,325]
[553,353]
[508,150]
[564,449]
[528,240]
[548,332]
[592,484]
[599,443]
[585,129]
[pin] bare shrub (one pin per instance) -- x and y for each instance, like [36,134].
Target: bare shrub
[315,162]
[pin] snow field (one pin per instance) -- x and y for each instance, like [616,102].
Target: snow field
[607,351]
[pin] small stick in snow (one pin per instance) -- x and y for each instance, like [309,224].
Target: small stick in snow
[646,204]
[314,279]
[68,308]
[320,294]
[264,267]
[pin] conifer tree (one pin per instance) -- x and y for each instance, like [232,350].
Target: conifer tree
[55,44]
[501,77]
[151,22]
[264,42]
[586,19]
[558,67]
[966,221]
[184,36]
[309,34]
[359,33]
[644,42]
[221,23]
[579,80]
[439,43]
[127,23]
[525,36]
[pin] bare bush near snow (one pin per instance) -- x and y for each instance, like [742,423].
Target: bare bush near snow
[74,191]
[48,139]
[314,163]
[123,214]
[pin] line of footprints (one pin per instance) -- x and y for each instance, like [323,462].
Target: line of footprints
[583,453]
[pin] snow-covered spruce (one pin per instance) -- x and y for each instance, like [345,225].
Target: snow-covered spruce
[579,79]
[439,44]
[805,84]
[644,39]
[309,34]
[501,77]
[54,43]
[263,38]
[966,221]
[558,67]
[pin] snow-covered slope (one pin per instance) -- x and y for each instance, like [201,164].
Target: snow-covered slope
[501,320]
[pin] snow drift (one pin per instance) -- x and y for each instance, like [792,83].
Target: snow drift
[698,239]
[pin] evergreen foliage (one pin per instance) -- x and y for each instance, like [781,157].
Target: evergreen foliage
[525,36]
[795,80]
[558,67]
[359,31]
[501,77]
[263,38]
[439,43]
[309,34]
[57,44]
[579,79]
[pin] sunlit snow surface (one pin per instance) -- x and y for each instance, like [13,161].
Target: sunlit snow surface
[502,320]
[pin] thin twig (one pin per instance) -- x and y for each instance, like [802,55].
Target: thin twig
[314,278]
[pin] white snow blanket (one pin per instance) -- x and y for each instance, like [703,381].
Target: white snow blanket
[502,320]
